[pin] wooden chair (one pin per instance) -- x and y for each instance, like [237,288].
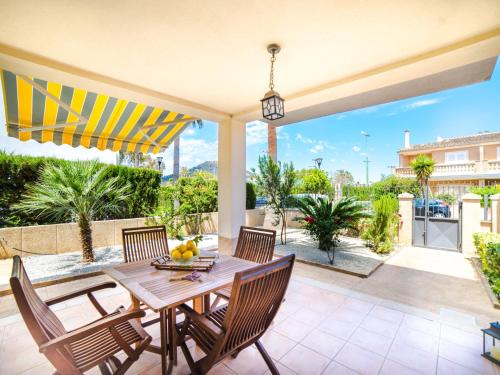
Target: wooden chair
[256,296]
[255,245]
[94,344]
[144,243]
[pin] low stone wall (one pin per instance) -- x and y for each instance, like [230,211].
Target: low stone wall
[62,238]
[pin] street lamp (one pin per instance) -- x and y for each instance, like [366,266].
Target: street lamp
[318,162]
[159,160]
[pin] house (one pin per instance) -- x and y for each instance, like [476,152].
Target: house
[461,162]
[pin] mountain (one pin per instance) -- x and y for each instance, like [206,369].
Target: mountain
[206,166]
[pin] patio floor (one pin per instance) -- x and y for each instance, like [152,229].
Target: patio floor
[321,328]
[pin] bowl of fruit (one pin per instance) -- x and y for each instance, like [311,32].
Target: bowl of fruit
[185,253]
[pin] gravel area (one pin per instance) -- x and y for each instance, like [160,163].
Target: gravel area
[49,267]
[351,256]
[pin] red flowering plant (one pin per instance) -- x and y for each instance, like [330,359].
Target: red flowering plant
[324,219]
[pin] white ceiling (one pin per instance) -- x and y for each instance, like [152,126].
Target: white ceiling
[213,53]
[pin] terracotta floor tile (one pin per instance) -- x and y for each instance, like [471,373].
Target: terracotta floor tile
[345,314]
[384,313]
[310,317]
[460,337]
[360,360]
[371,341]
[417,323]
[335,368]
[323,343]
[466,357]
[394,368]
[248,362]
[358,305]
[446,367]
[417,339]
[416,359]
[380,326]
[277,345]
[340,329]
[304,361]
[293,329]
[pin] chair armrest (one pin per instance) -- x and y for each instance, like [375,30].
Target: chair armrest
[200,319]
[80,333]
[81,292]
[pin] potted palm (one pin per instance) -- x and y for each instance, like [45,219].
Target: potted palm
[324,219]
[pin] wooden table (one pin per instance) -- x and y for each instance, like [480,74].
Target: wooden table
[153,287]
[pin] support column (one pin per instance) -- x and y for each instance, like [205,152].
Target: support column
[495,213]
[406,217]
[232,178]
[272,145]
[471,221]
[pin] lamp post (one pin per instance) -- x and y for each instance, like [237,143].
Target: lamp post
[159,160]
[318,162]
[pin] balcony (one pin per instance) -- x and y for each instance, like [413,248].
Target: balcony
[470,169]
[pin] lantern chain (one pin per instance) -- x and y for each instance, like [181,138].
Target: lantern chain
[271,75]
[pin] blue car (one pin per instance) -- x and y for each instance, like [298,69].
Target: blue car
[260,201]
[437,208]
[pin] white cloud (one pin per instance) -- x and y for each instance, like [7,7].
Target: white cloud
[316,149]
[256,133]
[422,103]
[299,137]
[355,148]
[189,131]
[364,154]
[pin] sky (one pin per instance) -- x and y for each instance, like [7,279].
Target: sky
[337,139]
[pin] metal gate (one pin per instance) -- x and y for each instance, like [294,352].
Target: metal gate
[437,225]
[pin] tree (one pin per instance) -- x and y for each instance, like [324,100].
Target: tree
[277,181]
[381,229]
[76,191]
[423,166]
[314,181]
[138,160]
[324,219]
[343,177]
[177,151]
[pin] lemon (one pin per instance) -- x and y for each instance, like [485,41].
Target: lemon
[182,248]
[190,245]
[187,255]
[196,251]
[176,254]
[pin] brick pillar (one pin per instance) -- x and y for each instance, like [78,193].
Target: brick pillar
[272,146]
[495,213]
[471,221]
[405,211]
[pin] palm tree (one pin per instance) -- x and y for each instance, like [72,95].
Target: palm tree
[324,219]
[423,166]
[177,148]
[76,191]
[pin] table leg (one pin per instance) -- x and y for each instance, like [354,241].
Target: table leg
[136,305]
[172,336]
[163,340]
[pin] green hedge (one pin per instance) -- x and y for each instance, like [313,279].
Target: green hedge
[17,171]
[251,200]
[488,249]
[391,185]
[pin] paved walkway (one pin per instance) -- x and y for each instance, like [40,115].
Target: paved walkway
[441,282]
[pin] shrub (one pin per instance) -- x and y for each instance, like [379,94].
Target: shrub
[485,190]
[381,229]
[447,198]
[313,181]
[359,192]
[325,219]
[18,172]
[488,248]
[251,196]
[393,186]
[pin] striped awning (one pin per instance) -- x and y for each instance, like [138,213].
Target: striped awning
[51,112]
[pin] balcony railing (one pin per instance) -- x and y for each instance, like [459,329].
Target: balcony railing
[470,168]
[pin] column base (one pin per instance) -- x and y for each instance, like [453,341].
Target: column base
[227,246]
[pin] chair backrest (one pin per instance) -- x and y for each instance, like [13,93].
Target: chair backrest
[255,244]
[42,323]
[256,296]
[144,243]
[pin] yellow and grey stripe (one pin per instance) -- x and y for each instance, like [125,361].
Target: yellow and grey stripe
[110,123]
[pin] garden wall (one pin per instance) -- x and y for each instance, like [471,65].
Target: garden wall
[62,238]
